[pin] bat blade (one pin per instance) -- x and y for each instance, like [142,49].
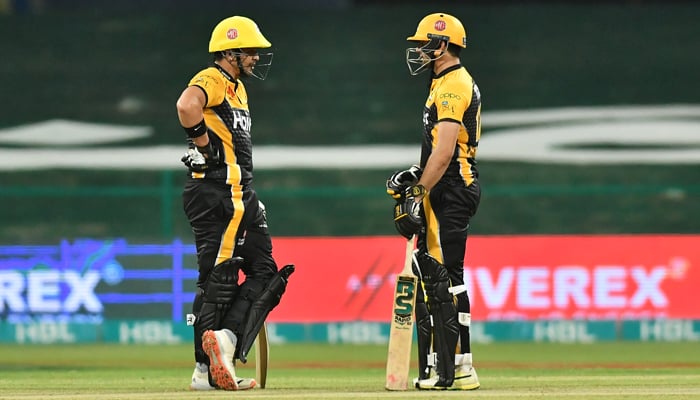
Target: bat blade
[262,356]
[401,333]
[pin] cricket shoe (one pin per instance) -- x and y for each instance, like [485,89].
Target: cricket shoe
[465,374]
[430,384]
[200,383]
[200,378]
[465,379]
[431,374]
[220,346]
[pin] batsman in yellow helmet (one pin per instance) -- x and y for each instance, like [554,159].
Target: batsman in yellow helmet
[227,219]
[436,199]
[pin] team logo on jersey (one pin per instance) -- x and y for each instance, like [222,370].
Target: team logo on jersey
[232,33]
[440,25]
[447,107]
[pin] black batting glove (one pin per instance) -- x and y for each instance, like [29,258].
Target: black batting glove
[399,181]
[408,219]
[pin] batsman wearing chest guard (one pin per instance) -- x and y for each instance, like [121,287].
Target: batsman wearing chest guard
[227,219]
[437,199]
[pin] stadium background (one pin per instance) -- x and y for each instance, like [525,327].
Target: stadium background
[338,78]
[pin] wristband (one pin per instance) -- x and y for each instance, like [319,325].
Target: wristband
[197,130]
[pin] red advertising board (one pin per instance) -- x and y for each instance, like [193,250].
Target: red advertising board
[509,277]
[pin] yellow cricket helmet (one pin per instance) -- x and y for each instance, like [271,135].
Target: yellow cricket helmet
[441,26]
[237,33]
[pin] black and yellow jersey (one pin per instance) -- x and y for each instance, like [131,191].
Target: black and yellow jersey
[454,96]
[228,119]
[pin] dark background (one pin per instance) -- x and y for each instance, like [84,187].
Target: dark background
[339,77]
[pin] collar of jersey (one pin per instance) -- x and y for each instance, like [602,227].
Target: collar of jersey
[226,74]
[447,71]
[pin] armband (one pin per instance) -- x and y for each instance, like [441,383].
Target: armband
[196,131]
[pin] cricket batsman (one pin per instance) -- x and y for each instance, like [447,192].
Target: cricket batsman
[227,219]
[436,201]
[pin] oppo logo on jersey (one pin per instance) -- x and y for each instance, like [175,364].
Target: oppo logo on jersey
[450,96]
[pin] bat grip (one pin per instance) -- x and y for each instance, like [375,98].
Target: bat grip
[410,245]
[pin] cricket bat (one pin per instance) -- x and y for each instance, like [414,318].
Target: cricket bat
[398,360]
[262,356]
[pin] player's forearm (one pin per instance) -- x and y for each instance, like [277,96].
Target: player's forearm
[441,155]
[193,119]
[433,171]
[190,116]
[190,112]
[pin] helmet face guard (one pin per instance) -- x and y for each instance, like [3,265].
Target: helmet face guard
[418,58]
[261,66]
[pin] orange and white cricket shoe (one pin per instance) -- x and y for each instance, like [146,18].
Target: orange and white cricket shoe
[220,346]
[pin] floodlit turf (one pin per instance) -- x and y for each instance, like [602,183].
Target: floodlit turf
[506,371]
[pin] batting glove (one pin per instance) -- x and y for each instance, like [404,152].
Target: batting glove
[399,181]
[408,220]
[201,158]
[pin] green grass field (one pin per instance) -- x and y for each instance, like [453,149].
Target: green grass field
[312,371]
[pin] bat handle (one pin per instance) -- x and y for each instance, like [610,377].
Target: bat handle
[410,245]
